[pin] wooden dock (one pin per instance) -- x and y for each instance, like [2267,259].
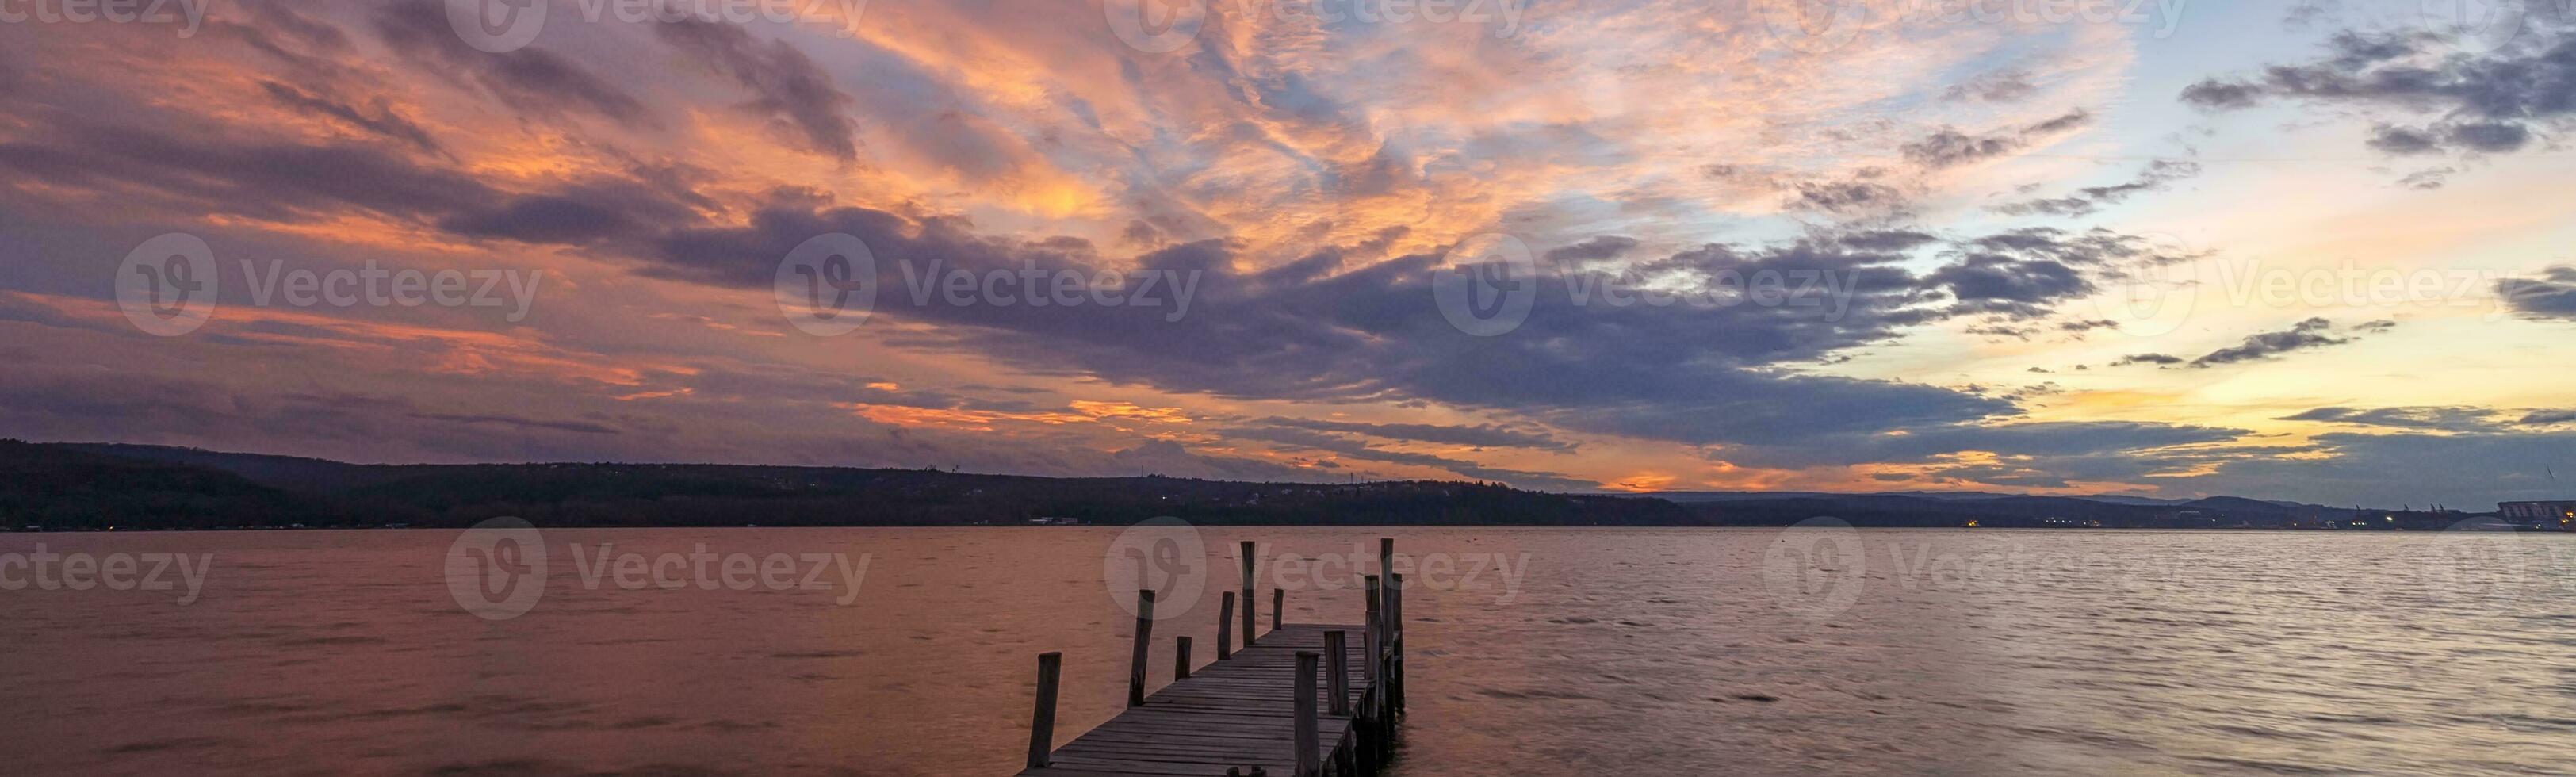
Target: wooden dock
[1303,700]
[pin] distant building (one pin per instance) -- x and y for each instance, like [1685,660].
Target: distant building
[2561,512]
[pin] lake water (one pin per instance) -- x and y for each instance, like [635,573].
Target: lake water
[1582,652]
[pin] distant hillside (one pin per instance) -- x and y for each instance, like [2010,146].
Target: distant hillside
[57,487]
[96,486]
[137,486]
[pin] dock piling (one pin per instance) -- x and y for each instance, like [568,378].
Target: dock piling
[1248,605]
[1338,673]
[1278,608]
[1306,740]
[1144,646]
[1373,631]
[1042,722]
[1225,627]
[1395,627]
[1181,659]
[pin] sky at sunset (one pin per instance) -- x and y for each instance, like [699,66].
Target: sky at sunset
[2318,251]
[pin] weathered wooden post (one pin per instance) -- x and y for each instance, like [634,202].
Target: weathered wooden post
[1373,631]
[1248,605]
[1337,672]
[1373,706]
[1391,626]
[1042,722]
[1395,625]
[1308,736]
[1181,660]
[1225,626]
[1278,607]
[1386,555]
[1144,645]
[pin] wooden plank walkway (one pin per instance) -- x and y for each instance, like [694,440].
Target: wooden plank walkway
[1232,714]
[1269,708]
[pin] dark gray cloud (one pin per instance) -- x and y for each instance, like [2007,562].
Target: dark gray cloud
[2305,335]
[530,80]
[2492,102]
[2552,295]
[1297,439]
[1481,435]
[1949,147]
[2428,179]
[259,179]
[788,84]
[516,423]
[2157,176]
[2465,470]
[1992,282]
[2010,85]
[209,172]
[2548,417]
[2451,418]
[2056,440]
[1848,197]
[2403,141]
[1597,249]
[2022,274]
[2148,358]
[1885,240]
[380,119]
